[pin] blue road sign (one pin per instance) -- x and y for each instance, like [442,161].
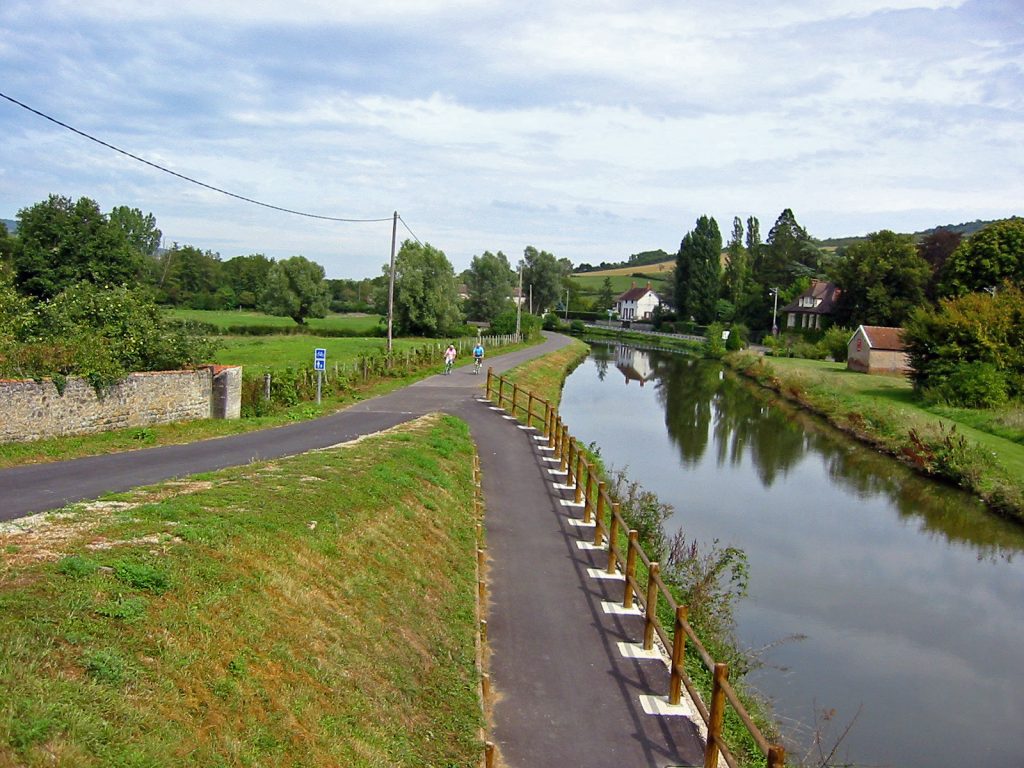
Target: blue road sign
[319,353]
[319,364]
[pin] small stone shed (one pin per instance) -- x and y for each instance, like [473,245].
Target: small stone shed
[877,349]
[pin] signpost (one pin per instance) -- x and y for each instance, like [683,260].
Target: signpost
[319,365]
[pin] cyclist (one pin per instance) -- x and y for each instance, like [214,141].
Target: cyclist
[449,359]
[478,356]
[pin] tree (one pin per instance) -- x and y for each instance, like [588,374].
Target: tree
[426,298]
[190,278]
[296,289]
[789,248]
[605,297]
[986,259]
[737,270]
[139,229]
[61,243]
[698,270]
[489,283]
[542,278]
[936,248]
[882,280]
[247,278]
[970,349]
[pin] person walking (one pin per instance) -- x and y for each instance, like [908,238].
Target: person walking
[449,359]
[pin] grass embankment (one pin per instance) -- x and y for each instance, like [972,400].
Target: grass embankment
[981,451]
[314,611]
[545,377]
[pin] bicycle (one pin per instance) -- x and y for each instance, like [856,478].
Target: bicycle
[478,364]
[448,367]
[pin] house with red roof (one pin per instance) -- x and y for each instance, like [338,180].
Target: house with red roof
[877,349]
[810,308]
[637,304]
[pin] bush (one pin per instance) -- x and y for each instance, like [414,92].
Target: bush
[835,343]
[714,347]
[738,337]
[577,327]
[972,385]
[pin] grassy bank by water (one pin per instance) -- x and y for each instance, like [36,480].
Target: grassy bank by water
[362,324]
[981,451]
[313,611]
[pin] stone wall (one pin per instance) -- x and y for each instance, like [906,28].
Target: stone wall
[31,410]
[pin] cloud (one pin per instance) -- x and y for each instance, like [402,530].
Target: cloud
[603,128]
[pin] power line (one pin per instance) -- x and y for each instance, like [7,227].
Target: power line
[410,231]
[188,178]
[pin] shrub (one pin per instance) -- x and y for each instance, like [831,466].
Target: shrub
[577,327]
[835,343]
[714,347]
[973,385]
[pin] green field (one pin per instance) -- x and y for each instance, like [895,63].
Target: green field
[277,352]
[367,324]
[591,283]
[312,611]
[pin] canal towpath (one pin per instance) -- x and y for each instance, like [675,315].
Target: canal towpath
[568,687]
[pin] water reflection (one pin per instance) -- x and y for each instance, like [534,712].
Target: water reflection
[910,593]
[706,406]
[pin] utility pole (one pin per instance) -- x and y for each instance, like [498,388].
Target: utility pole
[391,282]
[566,304]
[775,309]
[519,300]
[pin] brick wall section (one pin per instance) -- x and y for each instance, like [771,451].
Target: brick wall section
[32,410]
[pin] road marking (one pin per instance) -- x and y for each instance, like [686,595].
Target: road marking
[658,705]
[589,545]
[571,503]
[581,523]
[616,609]
[562,486]
[601,573]
[557,472]
[636,651]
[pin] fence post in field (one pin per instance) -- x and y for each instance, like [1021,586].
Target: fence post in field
[266,387]
[652,605]
[515,397]
[501,387]
[716,715]
[627,597]
[490,377]
[675,688]
[529,410]
[552,416]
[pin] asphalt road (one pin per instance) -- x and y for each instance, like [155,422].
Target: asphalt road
[565,692]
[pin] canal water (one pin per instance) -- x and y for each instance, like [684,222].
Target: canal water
[880,600]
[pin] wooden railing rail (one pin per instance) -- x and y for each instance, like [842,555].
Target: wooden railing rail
[598,506]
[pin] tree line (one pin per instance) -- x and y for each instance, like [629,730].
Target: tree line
[958,298]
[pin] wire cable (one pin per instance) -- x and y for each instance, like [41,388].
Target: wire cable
[410,231]
[188,178]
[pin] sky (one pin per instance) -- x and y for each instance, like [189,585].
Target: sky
[591,130]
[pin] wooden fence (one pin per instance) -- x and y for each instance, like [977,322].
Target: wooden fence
[624,551]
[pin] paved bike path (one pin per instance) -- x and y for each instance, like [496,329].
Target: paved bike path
[565,695]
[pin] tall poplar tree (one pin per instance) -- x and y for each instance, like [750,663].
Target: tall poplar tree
[698,271]
[737,271]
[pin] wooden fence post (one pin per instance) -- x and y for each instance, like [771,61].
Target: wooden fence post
[490,378]
[652,605]
[627,597]
[552,432]
[613,531]
[588,502]
[501,387]
[716,715]
[776,756]
[675,688]
[515,397]
[529,410]
[578,497]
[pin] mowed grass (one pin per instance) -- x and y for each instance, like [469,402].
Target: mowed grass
[313,611]
[356,323]
[886,407]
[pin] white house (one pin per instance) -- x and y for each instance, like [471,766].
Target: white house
[637,303]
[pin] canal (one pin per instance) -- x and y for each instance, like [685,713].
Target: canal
[888,602]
